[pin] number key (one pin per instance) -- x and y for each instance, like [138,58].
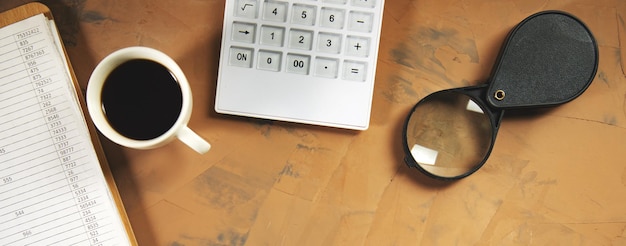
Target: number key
[269,60]
[275,11]
[271,35]
[303,14]
[298,64]
[332,18]
[300,39]
[329,42]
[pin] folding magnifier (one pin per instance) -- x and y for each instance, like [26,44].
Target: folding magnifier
[548,59]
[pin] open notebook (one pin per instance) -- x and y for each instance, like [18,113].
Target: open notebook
[55,185]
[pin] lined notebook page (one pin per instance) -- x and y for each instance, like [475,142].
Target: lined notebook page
[52,189]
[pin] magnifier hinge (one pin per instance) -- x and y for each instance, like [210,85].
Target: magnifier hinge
[499,95]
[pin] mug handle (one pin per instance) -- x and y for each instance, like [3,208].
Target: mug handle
[193,140]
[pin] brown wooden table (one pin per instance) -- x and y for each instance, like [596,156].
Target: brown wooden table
[555,176]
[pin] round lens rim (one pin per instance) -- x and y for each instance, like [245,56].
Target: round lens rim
[476,93]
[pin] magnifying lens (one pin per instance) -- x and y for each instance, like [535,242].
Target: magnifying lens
[548,59]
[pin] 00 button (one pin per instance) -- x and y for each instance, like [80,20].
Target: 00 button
[298,64]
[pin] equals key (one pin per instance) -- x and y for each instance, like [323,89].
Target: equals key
[354,70]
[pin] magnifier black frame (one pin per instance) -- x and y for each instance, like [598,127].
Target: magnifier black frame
[478,94]
[552,82]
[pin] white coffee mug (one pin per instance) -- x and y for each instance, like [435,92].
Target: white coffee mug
[178,130]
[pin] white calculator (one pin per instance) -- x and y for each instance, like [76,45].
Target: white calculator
[305,61]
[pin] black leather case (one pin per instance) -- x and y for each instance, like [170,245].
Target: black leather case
[548,59]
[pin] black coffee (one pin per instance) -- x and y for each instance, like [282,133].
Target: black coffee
[141,99]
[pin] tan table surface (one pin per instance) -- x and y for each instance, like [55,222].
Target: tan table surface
[555,176]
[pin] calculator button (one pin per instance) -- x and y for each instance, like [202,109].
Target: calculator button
[326,67]
[360,21]
[332,18]
[269,60]
[247,8]
[271,35]
[275,11]
[243,32]
[241,57]
[298,64]
[353,70]
[300,39]
[357,46]
[329,42]
[364,3]
[336,1]
[304,14]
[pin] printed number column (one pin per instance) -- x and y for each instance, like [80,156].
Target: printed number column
[42,72]
[47,82]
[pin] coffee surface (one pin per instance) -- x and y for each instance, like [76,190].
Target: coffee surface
[141,99]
